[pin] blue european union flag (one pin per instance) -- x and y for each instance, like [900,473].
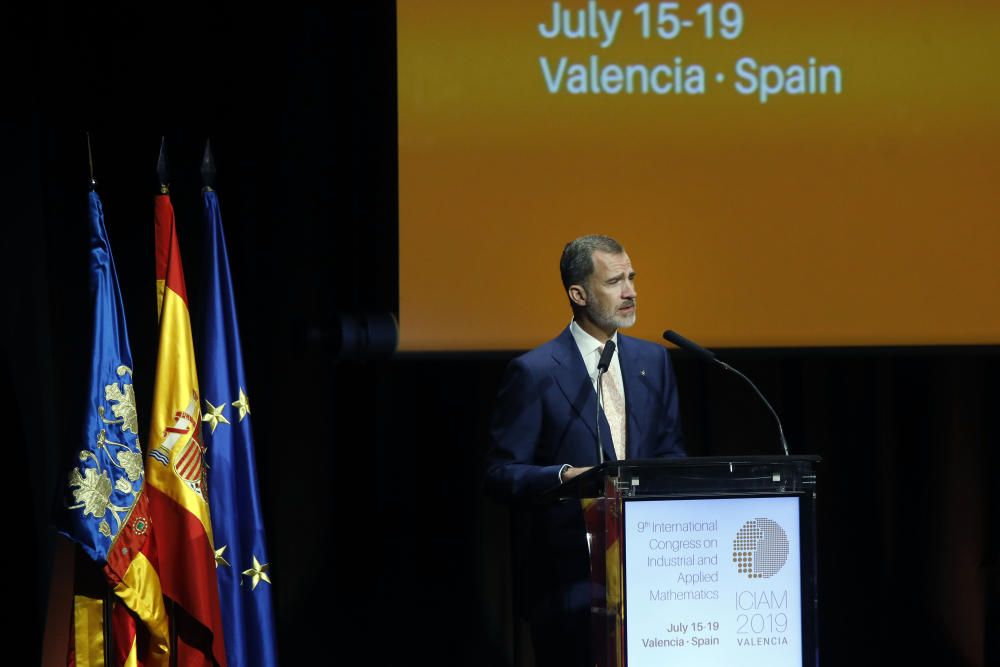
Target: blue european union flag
[107,477]
[241,558]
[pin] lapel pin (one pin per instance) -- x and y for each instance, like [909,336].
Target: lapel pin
[642,372]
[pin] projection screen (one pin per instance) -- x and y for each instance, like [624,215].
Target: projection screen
[780,173]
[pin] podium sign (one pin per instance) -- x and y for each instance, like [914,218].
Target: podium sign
[713,581]
[702,562]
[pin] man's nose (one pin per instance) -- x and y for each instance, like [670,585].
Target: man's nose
[628,292]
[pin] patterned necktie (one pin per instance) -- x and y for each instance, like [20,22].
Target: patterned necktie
[614,407]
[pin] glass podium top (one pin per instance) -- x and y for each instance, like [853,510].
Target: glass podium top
[694,476]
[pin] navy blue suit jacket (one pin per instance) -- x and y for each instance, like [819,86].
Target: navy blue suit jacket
[546,416]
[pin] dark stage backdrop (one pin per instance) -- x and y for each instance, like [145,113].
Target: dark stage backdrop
[381,541]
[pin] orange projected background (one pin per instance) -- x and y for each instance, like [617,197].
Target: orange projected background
[809,174]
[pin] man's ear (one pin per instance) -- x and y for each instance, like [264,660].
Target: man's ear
[577,295]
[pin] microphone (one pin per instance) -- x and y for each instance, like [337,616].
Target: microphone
[605,361]
[682,342]
[690,346]
[602,368]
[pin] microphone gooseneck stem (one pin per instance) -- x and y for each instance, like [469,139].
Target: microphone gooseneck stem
[597,422]
[607,351]
[781,431]
[689,345]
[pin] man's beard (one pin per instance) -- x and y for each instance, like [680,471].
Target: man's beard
[609,320]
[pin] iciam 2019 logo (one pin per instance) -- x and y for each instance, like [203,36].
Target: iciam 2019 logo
[760,548]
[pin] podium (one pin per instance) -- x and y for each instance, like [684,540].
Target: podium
[702,561]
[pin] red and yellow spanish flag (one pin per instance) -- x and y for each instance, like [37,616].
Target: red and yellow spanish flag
[139,625]
[175,470]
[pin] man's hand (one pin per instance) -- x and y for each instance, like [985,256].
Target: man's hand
[571,472]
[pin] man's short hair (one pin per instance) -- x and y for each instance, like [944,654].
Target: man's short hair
[577,261]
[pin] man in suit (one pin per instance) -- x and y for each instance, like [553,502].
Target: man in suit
[544,433]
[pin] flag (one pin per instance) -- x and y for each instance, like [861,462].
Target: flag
[178,495]
[107,512]
[237,522]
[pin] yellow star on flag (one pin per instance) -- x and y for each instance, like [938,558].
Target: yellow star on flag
[213,415]
[219,560]
[243,404]
[257,572]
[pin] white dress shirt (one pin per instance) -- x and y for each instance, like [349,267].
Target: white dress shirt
[590,350]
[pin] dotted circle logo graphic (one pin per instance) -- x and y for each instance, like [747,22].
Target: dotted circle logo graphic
[760,548]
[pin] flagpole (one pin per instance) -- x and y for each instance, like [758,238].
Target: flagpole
[108,594]
[238,531]
[163,177]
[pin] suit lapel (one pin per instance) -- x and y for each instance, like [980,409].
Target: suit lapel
[577,387]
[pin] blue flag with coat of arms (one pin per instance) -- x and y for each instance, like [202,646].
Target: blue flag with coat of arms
[107,478]
[105,508]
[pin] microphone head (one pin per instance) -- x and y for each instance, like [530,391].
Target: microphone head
[606,354]
[689,345]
